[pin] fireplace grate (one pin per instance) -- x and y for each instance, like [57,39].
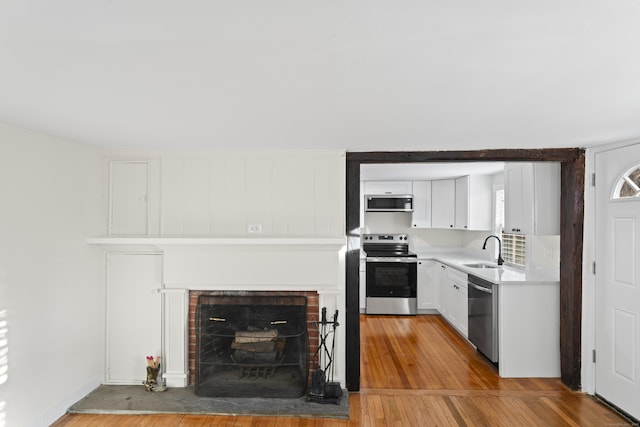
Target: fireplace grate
[251,346]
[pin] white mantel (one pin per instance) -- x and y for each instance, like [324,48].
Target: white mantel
[270,263]
[178,241]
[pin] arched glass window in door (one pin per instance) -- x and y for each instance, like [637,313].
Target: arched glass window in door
[628,186]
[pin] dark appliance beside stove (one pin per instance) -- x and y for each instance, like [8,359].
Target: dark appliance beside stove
[392,274]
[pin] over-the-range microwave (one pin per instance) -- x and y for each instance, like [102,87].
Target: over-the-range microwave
[388,202]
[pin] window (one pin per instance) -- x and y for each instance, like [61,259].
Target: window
[629,185]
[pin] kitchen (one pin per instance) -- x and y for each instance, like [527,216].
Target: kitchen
[436,220]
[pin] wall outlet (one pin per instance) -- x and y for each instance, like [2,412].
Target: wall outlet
[255,228]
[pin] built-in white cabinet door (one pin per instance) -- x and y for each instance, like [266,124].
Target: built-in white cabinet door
[421,216]
[128,197]
[454,296]
[518,198]
[462,203]
[133,315]
[428,284]
[443,203]
[444,291]
[463,318]
[388,187]
[546,214]
[451,311]
[474,202]
[532,198]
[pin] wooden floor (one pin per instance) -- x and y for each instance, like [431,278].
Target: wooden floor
[417,371]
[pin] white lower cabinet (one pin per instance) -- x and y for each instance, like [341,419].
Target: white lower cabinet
[134,310]
[444,306]
[428,284]
[454,295]
[529,330]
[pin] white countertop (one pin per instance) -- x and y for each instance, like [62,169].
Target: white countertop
[503,275]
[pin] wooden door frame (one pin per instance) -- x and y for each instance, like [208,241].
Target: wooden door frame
[572,162]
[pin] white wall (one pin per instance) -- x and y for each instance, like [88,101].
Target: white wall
[50,279]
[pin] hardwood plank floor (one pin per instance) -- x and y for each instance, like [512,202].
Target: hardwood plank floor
[417,371]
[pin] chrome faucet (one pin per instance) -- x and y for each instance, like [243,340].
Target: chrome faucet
[500,260]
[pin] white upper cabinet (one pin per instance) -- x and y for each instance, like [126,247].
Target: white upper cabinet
[388,187]
[421,216]
[444,202]
[532,198]
[473,196]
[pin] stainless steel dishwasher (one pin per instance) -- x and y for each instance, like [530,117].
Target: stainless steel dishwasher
[483,316]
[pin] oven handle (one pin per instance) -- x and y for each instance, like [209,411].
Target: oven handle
[480,288]
[392,259]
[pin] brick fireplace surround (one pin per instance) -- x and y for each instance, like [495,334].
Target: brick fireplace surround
[312,319]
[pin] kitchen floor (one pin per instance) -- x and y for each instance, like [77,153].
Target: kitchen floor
[416,370]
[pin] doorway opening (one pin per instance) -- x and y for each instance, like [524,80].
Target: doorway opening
[572,218]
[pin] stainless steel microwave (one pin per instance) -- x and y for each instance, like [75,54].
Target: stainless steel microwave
[388,202]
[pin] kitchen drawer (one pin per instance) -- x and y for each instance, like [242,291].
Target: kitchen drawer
[457,276]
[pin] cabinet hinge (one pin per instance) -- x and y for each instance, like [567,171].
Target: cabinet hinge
[593,355]
[593,179]
[593,267]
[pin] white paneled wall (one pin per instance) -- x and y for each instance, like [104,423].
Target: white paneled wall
[275,193]
[295,201]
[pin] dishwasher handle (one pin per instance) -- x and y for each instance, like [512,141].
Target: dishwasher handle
[480,288]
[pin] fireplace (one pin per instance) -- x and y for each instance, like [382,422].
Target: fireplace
[251,346]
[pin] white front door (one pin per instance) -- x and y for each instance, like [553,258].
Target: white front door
[618,277]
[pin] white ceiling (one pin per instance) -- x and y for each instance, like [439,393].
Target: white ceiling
[335,74]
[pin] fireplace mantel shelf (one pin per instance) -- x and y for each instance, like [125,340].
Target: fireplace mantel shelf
[202,242]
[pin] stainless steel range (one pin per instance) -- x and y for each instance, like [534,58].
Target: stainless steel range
[392,273]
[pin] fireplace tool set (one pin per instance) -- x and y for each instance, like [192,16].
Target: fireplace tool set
[323,388]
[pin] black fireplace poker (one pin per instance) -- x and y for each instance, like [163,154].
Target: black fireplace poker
[323,389]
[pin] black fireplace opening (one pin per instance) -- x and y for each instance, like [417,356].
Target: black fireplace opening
[251,346]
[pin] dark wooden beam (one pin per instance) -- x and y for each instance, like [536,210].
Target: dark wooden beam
[571,243]
[499,155]
[571,235]
[353,277]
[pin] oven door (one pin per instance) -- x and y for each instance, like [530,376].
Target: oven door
[392,277]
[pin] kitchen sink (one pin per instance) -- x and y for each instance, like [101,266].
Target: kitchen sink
[482,265]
